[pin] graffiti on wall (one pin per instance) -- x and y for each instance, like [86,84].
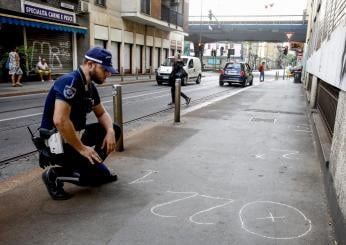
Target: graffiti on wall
[57,55]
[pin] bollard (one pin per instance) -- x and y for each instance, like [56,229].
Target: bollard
[136,73]
[177,100]
[122,73]
[283,74]
[118,114]
[276,75]
[149,72]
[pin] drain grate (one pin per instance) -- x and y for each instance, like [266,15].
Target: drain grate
[280,112]
[267,120]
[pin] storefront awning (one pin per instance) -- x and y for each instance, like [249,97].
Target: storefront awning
[29,22]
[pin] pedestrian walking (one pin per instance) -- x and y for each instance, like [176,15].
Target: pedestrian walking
[76,149]
[178,71]
[261,70]
[14,68]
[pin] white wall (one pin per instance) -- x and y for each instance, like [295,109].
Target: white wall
[328,62]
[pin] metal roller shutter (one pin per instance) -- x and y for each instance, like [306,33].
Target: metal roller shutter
[127,58]
[156,58]
[55,47]
[115,54]
[327,103]
[139,58]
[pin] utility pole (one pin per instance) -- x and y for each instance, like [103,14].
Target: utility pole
[200,51]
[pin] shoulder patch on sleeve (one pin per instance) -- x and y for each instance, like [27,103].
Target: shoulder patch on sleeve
[69,91]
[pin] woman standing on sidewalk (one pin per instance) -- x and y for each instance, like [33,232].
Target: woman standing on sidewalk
[14,68]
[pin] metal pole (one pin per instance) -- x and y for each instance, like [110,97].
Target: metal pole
[283,75]
[118,114]
[177,100]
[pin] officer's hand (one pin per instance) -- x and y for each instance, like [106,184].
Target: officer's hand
[91,154]
[109,141]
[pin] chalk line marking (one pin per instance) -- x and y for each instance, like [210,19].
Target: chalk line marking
[260,156]
[191,218]
[152,210]
[141,179]
[243,226]
[290,152]
[271,217]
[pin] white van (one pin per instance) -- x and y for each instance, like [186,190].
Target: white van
[192,66]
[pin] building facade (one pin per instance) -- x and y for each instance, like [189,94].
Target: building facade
[139,33]
[46,29]
[325,83]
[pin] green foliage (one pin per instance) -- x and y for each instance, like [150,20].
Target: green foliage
[24,55]
[292,59]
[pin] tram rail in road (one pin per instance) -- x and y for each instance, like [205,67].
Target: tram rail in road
[10,160]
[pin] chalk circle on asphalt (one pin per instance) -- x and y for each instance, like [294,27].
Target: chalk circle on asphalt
[274,220]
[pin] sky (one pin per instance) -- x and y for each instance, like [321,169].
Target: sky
[247,7]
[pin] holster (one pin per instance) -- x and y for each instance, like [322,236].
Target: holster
[46,158]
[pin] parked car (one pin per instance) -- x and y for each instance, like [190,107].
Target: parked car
[192,66]
[235,72]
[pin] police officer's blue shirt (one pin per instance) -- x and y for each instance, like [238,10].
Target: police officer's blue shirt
[71,89]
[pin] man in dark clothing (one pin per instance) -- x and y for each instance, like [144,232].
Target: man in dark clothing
[177,72]
[84,147]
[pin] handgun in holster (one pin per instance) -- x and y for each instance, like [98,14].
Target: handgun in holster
[46,157]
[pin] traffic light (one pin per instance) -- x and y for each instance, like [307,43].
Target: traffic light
[210,14]
[285,50]
[213,52]
[221,50]
[230,52]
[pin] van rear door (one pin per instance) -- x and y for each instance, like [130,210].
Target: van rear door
[191,69]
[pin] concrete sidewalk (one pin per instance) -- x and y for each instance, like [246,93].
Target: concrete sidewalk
[240,170]
[35,87]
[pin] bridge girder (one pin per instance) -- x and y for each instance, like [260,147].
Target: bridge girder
[246,32]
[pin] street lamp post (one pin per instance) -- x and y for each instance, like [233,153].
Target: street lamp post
[200,51]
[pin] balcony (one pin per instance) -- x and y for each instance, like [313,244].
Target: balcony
[141,11]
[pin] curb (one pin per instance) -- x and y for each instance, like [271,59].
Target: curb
[40,91]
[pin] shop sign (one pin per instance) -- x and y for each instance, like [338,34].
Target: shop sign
[67,6]
[173,44]
[47,13]
[179,45]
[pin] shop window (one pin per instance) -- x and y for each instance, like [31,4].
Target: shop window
[100,3]
[100,43]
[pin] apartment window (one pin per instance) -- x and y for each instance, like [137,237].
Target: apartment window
[145,6]
[100,3]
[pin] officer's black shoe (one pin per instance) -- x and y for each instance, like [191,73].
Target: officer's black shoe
[112,178]
[54,187]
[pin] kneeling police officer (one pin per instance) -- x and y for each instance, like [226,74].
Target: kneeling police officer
[77,150]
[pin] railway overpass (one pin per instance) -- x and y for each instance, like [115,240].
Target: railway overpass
[265,28]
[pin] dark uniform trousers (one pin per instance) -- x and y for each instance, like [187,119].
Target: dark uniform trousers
[77,169]
[173,93]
